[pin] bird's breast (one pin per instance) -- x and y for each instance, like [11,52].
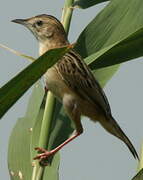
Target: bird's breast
[55,83]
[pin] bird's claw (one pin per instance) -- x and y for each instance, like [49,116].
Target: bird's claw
[43,156]
[40,150]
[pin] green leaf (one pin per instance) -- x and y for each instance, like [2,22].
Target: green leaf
[125,50]
[19,151]
[139,175]
[52,171]
[19,154]
[103,75]
[16,87]
[116,22]
[87,3]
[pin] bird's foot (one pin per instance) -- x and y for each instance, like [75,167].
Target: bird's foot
[43,156]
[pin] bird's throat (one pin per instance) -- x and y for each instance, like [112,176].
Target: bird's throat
[47,45]
[43,48]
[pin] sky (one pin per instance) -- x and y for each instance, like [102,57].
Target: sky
[95,154]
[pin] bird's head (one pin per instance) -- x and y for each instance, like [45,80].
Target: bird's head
[46,29]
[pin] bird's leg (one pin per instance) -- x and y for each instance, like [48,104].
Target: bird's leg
[45,154]
[75,116]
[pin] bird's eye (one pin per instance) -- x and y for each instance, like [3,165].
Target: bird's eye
[39,23]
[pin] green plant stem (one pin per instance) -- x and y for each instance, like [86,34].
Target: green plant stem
[50,101]
[39,175]
[67,14]
[45,133]
[47,118]
[34,172]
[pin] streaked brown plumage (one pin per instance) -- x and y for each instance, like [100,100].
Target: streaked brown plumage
[72,82]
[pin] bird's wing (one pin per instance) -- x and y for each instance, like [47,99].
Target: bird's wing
[79,78]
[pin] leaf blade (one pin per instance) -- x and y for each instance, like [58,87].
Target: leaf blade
[19,158]
[117,21]
[87,3]
[16,87]
[122,51]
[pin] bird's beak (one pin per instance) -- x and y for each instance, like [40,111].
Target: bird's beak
[21,21]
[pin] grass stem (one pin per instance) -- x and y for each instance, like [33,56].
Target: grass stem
[50,101]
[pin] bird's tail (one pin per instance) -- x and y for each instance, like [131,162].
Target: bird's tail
[112,127]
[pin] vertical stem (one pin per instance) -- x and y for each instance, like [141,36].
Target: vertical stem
[40,173]
[50,101]
[67,14]
[45,133]
[45,130]
[46,123]
[34,172]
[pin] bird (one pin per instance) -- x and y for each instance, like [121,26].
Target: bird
[72,82]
